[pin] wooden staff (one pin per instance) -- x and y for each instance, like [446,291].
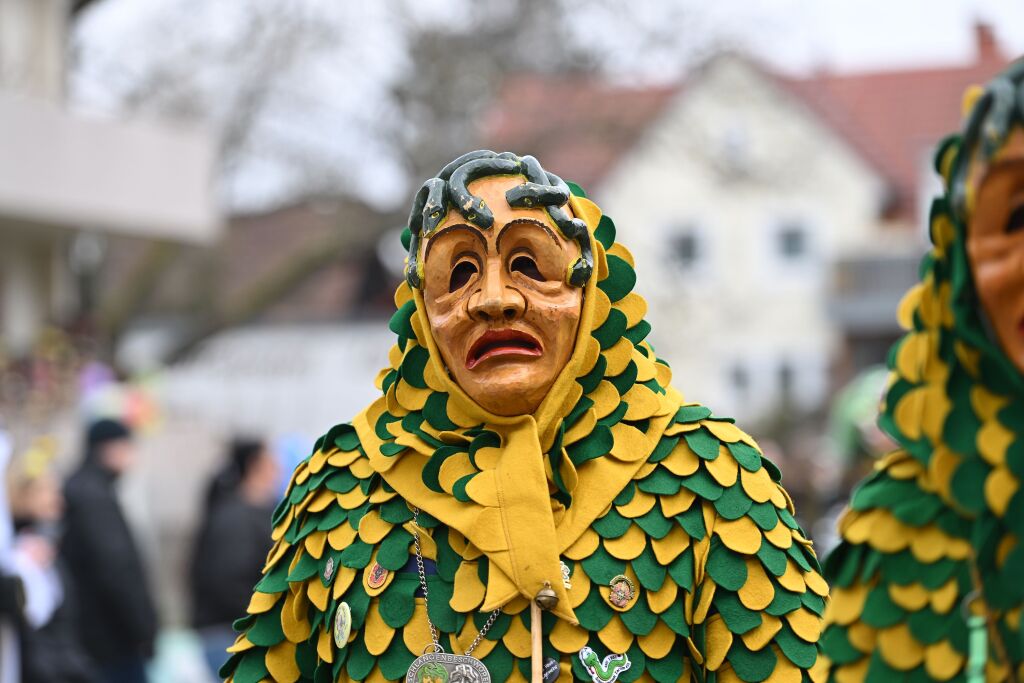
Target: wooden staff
[536,655]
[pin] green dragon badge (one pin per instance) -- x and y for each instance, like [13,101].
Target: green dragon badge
[606,671]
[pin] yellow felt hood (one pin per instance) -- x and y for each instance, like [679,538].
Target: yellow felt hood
[491,477]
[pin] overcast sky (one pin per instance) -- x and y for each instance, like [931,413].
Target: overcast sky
[653,42]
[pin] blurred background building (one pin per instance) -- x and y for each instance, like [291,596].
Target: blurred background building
[200,204]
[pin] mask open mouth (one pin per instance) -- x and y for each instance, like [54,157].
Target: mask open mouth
[502,343]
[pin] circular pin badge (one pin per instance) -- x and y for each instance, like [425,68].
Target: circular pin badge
[566,580]
[329,569]
[551,670]
[621,591]
[377,576]
[342,625]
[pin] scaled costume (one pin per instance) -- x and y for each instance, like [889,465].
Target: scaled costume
[668,544]
[932,538]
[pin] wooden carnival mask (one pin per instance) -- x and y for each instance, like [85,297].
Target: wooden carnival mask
[501,309]
[995,242]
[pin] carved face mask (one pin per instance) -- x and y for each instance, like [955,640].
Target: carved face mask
[500,310]
[995,244]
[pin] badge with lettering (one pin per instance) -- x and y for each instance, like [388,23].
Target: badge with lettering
[441,667]
[329,569]
[566,581]
[622,591]
[377,576]
[551,670]
[605,670]
[342,625]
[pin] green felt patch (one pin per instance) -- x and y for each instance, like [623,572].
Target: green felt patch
[665,446]
[783,603]
[499,663]
[927,627]
[704,485]
[692,413]
[725,567]
[360,661]
[333,517]
[395,511]
[734,502]
[738,618]
[655,523]
[879,609]
[813,602]
[396,604]
[605,232]
[840,650]
[625,495]
[669,669]
[674,617]
[266,631]
[796,649]
[639,618]
[590,380]
[746,455]
[306,567]
[413,363]
[692,522]
[638,332]
[773,559]
[751,665]
[611,525]
[593,613]
[444,617]
[601,567]
[394,549]
[660,482]
[702,442]
[435,411]
[650,573]
[597,444]
[681,569]
[395,661]
[609,333]
[624,381]
[356,555]
[342,481]
[251,668]
[765,515]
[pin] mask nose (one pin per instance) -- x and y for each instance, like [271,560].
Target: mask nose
[496,300]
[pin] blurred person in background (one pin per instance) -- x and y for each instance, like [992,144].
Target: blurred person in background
[10,586]
[232,543]
[50,648]
[116,615]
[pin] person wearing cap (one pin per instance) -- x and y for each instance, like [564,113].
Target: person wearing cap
[116,616]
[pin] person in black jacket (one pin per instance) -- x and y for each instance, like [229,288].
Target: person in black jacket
[232,543]
[116,617]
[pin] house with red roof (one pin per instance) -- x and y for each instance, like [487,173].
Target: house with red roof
[775,220]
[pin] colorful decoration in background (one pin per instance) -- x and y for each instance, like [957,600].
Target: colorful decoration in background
[678,505]
[103,396]
[927,584]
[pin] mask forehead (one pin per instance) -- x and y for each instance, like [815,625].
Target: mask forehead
[492,191]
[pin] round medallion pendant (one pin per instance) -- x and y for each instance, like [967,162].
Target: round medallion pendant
[441,667]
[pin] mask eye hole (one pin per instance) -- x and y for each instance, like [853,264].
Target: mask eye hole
[527,266]
[461,274]
[1015,222]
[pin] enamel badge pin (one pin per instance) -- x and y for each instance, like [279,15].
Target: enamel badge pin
[605,670]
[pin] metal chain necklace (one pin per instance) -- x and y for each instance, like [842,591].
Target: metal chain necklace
[437,664]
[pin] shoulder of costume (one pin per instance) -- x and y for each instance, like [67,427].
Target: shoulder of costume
[337,517]
[898,578]
[708,510]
